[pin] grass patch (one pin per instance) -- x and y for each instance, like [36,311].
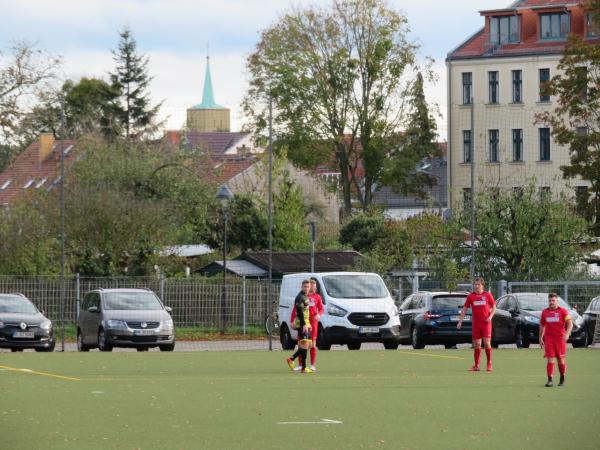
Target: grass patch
[249,400]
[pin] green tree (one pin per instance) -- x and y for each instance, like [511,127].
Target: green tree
[520,236]
[576,120]
[131,81]
[362,232]
[337,80]
[289,217]
[417,142]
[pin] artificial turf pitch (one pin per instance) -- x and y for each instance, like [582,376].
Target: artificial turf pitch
[250,400]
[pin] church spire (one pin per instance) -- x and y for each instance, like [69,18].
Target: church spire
[208,97]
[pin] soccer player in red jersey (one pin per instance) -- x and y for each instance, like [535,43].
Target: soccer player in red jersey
[316,311]
[483,308]
[555,329]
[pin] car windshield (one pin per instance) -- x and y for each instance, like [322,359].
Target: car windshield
[131,301]
[355,286]
[16,305]
[448,302]
[538,302]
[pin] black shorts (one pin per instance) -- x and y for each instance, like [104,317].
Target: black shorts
[305,336]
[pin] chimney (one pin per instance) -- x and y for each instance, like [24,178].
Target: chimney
[46,143]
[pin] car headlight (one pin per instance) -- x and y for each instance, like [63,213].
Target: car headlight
[336,311]
[532,319]
[46,325]
[578,322]
[168,323]
[112,323]
[1,324]
[394,311]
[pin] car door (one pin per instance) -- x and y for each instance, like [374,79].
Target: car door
[591,317]
[501,320]
[93,319]
[404,317]
[83,319]
[513,316]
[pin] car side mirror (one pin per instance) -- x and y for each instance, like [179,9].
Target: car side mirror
[514,312]
[93,309]
[168,309]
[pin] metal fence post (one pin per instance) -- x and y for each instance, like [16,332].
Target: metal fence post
[162,287]
[244,306]
[502,288]
[566,293]
[77,293]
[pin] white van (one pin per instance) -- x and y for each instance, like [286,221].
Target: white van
[358,308]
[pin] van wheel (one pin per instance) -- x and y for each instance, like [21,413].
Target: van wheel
[81,347]
[167,348]
[287,343]
[416,340]
[103,344]
[354,345]
[521,340]
[322,342]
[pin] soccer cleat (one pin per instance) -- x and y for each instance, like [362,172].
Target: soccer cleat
[549,383]
[307,370]
[297,368]
[474,369]
[489,367]
[562,380]
[313,368]
[290,363]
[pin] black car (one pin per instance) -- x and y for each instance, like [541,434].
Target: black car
[431,318]
[590,316]
[23,326]
[517,320]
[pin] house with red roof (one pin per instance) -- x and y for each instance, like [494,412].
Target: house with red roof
[495,80]
[36,168]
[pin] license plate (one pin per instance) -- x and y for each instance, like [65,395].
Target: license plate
[144,332]
[368,330]
[457,318]
[23,334]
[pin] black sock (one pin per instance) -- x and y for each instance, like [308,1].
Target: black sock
[303,354]
[295,355]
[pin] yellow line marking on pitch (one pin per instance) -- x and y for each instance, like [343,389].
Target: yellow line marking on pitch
[44,374]
[428,354]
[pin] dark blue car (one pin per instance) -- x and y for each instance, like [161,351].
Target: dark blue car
[431,318]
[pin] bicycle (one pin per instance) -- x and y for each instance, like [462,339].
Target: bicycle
[272,324]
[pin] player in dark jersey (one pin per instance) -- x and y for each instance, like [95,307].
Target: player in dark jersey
[483,308]
[302,325]
[555,329]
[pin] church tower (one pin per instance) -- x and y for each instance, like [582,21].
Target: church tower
[208,116]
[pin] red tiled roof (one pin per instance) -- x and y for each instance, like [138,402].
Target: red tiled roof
[216,143]
[27,170]
[478,45]
[222,170]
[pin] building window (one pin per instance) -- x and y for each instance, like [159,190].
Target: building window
[493,87]
[493,153]
[517,144]
[544,78]
[467,81]
[517,85]
[467,198]
[554,26]
[5,185]
[467,146]
[504,30]
[29,183]
[544,144]
[592,28]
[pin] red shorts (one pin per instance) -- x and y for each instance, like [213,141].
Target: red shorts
[555,348]
[314,324]
[481,330]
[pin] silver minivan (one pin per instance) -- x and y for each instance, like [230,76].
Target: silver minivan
[124,318]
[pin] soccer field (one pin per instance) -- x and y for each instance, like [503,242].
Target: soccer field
[250,400]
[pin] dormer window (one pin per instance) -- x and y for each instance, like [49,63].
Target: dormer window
[504,30]
[554,26]
[5,185]
[29,183]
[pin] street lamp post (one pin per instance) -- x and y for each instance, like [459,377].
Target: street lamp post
[224,194]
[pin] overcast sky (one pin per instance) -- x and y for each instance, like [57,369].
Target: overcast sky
[175,33]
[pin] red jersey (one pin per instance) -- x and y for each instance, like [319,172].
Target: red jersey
[553,321]
[481,305]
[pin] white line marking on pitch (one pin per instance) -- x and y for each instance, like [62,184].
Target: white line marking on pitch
[321,422]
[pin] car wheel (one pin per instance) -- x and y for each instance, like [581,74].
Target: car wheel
[416,340]
[285,337]
[580,343]
[81,347]
[521,340]
[16,349]
[354,345]
[142,349]
[167,348]
[449,346]
[391,345]
[103,344]
[322,342]
[48,349]
[494,344]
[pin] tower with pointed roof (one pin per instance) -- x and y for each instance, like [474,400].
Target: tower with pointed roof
[208,116]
